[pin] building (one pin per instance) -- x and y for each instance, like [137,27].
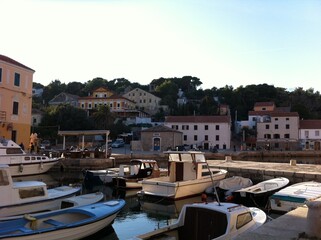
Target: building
[121,106]
[278,131]
[36,117]
[15,100]
[204,132]
[64,98]
[310,134]
[160,138]
[144,101]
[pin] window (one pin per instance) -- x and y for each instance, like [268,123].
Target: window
[217,127]
[268,136]
[276,126]
[185,137]
[267,126]
[276,136]
[243,219]
[217,137]
[254,119]
[17,79]
[195,137]
[317,133]
[15,108]
[195,127]
[276,119]
[206,127]
[287,119]
[0,74]
[306,133]
[287,126]
[206,137]
[286,135]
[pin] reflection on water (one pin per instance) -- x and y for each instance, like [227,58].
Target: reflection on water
[137,217]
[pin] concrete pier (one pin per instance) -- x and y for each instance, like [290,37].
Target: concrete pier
[260,171]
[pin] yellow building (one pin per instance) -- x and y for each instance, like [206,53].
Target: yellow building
[15,100]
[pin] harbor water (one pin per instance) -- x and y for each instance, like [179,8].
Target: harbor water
[137,217]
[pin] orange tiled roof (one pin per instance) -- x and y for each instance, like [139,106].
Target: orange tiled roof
[310,124]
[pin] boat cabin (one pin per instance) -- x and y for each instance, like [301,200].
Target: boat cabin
[184,166]
[19,192]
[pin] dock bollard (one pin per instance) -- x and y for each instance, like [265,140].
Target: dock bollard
[293,162]
[313,223]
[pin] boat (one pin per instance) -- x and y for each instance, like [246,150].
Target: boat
[69,223]
[74,201]
[22,163]
[259,194]
[105,176]
[189,175]
[294,196]
[140,169]
[25,196]
[227,186]
[210,220]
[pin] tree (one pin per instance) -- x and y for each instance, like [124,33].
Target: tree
[103,117]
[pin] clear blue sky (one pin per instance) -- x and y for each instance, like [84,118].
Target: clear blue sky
[222,42]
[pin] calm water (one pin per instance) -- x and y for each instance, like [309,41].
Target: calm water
[137,217]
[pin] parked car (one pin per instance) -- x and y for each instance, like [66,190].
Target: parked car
[118,143]
[45,144]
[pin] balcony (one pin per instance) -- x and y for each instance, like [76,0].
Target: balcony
[3,115]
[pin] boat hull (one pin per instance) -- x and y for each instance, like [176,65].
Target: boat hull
[65,224]
[163,188]
[31,168]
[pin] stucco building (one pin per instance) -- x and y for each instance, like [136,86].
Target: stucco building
[160,138]
[15,100]
[144,100]
[310,134]
[206,132]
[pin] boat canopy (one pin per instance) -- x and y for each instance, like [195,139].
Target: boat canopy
[186,156]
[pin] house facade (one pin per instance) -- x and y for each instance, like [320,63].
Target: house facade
[144,100]
[119,105]
[160,138]
[205,132]
[278,131]
[310,134]
[15,100]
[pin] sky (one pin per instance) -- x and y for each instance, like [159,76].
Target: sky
[222,42]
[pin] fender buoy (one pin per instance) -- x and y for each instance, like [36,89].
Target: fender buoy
[21,168]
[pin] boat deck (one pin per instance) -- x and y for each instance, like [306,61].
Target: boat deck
[289,226]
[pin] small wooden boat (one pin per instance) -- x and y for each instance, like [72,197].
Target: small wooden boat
[210,220]
[189,175]
[227,186]
[69,223]
[258,194]
[140,169]
[294,196]
[25,196]
[22,163]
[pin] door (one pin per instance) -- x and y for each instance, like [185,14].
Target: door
[156,144]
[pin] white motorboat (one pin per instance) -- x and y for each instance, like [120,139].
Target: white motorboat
[259,193]
[74,201]
[22,163]
[69,223]
[189,175]
[29,196]
[294,196]
[227,186]
[211,220]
